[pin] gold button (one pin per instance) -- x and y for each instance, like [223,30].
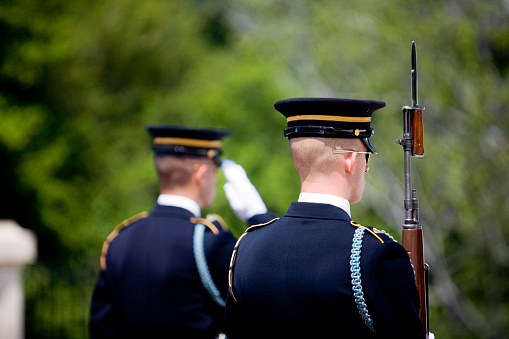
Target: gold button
[211,153]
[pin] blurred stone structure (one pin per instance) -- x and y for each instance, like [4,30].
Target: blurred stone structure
[18,247]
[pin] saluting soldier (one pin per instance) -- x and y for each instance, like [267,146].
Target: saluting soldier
[314,272]
[164,273]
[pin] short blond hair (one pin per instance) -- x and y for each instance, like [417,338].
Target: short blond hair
[313,155]
[175,171]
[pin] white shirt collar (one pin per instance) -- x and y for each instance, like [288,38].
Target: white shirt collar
[180,201]
[320,198]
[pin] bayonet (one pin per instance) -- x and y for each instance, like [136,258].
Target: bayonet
[415,99]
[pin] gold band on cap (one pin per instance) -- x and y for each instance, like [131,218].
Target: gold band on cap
[329,118]
[188,142]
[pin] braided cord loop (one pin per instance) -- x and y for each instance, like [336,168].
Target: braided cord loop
[355,269]
[201,264]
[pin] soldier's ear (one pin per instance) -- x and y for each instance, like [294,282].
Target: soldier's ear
[200,171]
[350,162]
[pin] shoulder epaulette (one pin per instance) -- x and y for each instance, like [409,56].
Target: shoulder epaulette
[258,226]
[216,218]
[234,254]
[113,234]
[209,223]
[372,230]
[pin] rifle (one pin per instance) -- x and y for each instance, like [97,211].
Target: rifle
[413,146]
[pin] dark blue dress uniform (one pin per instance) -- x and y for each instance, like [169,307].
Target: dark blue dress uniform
[292,279]
[149,285]
[314,273]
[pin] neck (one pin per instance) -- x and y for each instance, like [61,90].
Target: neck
[337,187]
[184,191]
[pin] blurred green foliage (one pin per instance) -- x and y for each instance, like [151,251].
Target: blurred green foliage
[79,80]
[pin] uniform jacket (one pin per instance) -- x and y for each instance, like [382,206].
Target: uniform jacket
[292,279]
[149,285]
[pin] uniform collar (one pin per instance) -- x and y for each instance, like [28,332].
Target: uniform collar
[320,198]
[180,201]
[310,210]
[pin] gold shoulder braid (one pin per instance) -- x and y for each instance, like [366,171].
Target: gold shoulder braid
[234,254]
[207,223]
[113,234]
[217,218]
[210,221]
[374,231]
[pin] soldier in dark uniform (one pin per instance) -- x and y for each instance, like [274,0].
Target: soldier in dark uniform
[315,273]
[164,273]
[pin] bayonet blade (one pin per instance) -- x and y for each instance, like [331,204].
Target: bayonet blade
[415,100]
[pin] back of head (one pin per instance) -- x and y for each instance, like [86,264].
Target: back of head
[313,157]
[174,171]
[318,126]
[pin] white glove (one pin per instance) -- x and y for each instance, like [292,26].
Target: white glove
[431,335]
[244,199]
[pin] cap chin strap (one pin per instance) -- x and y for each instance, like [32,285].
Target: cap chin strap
[326,131]
[332,132]
[211,153]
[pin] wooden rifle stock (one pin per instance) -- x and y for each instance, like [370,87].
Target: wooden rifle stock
[413,243]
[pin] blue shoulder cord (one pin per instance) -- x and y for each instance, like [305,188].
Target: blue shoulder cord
[355,268]
[201,264]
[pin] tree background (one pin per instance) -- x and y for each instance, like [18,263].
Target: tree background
[79,80]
